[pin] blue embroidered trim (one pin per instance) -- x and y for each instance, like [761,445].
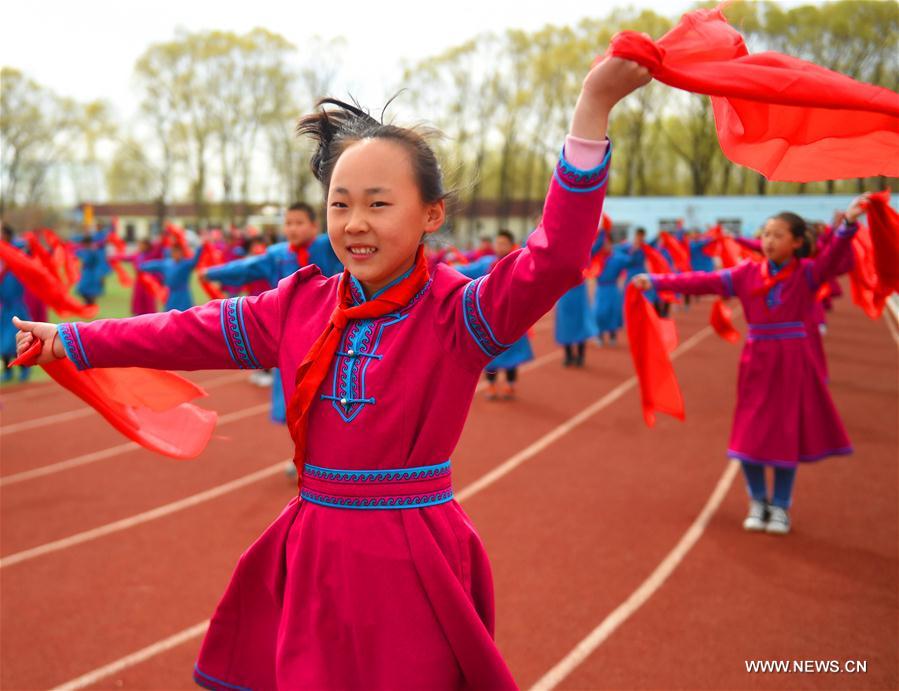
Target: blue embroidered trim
[358,294]
[348,381]
[777,325]
[349,401]
[475,322]
[845,451]
[420,472]
[592,188]
[198,671]
[355,354]
[577,176]
[71,343]
[225,330]
[411,502]
[846,231]
[774,298]
[728,282]
[236,335]
[785,336]
[356,291]
[477,302]
[243,330]
[80,345]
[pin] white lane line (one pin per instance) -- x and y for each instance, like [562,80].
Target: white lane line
[138,519]
[644,592]
[563,429]
[47,420]
[527,367]
[84,411]
[469,491]
[224,419]
[135,658]
[39,389]
[891,324]
[95,456]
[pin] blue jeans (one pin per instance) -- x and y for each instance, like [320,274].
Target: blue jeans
[783,484]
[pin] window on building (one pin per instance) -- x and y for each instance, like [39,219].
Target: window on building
[669,225]
[734,225]
[130,232]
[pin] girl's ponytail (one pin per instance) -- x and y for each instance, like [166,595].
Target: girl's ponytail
[334,129]
[328,128]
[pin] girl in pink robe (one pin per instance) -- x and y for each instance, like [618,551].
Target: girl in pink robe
[374,577]
[784,414]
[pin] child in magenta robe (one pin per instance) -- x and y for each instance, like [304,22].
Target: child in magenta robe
[374,577]
[142,299]
[784,414]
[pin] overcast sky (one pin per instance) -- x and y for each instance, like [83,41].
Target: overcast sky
[86,49]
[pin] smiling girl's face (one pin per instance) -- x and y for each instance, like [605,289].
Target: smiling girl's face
[376,215]
[778,242]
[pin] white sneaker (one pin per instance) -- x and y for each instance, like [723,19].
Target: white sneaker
[264,379]
[755,520]
[778,521]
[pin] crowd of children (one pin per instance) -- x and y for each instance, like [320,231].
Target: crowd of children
[361,321]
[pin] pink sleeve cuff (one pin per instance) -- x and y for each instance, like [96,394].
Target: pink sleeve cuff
[585,154]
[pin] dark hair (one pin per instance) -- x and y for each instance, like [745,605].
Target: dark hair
[640,231]
[8,232]
[335,129]
[799,230]
[303,206]
[506,234]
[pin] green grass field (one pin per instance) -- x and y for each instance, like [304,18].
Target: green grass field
[114,304]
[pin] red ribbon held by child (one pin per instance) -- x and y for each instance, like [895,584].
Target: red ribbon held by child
[659,390]
[774,113]
[150,407]
[720,319]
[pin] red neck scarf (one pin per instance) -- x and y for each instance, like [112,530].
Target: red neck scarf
[314,367]
[769,281]
[302,252]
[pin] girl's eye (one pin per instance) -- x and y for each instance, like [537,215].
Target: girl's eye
[338,205]
[379,204]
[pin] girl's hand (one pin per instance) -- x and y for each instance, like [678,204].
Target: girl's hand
[641,282]
[611,79]
[28,331]
[607,82]
[858,207]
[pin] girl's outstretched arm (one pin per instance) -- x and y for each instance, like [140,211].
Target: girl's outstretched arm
[499,307]
[239,333]
[689,283]
[836,257]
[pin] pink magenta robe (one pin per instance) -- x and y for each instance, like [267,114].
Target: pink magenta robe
[784,412]
[336,598]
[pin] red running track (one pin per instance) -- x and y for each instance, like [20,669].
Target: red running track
[583,505]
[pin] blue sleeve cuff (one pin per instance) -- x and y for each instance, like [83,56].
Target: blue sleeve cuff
[71,343]
[847,230]
[576,180]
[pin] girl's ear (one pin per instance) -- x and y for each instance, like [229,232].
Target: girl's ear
[435,215]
